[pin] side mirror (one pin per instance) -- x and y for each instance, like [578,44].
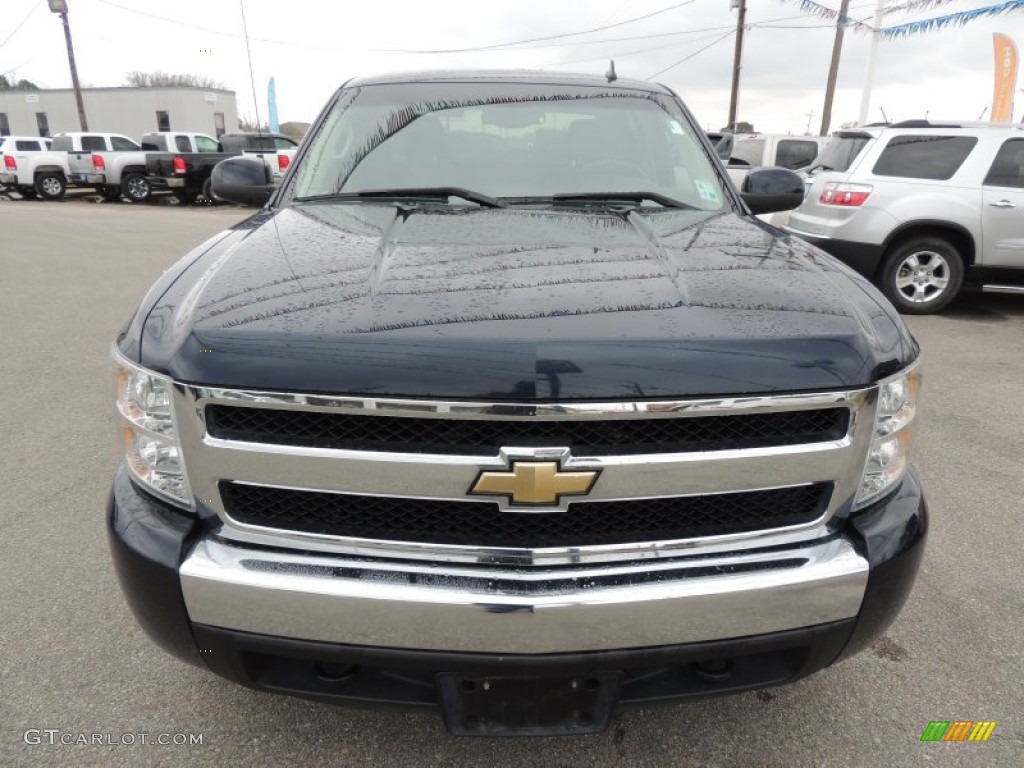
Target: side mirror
[769,190]
[243,180]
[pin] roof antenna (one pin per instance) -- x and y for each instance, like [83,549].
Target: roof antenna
[884,116]
[610,74]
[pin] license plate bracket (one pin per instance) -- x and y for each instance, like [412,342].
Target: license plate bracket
[528,706]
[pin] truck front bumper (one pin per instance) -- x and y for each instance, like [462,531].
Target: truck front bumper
[358,629]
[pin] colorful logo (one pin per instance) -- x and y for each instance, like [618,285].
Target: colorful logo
[958,730]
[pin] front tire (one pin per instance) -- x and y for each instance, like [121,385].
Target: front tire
[921,275]
[135,187]
[51,186]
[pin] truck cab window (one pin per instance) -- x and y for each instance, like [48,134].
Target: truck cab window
[206,144]
[121,144]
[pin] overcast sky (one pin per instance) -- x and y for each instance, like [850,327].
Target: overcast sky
[312,46]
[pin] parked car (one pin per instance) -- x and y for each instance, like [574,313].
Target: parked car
[112,164]
[187,174]
[29,166]
[755,150]
[505,405]
[921,208]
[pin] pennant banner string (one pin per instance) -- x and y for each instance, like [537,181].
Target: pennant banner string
[913,27]
[953,19]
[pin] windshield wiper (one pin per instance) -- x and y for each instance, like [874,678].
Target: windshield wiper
[409,194]
[609,197]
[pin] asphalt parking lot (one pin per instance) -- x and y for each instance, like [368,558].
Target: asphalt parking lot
[74,660]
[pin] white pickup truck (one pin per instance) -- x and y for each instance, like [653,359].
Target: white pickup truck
[112,164]
[756,150]
[30,167]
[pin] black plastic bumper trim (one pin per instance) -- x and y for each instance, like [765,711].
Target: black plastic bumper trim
[404,678]
[862,257]
[892,537]
[147,542]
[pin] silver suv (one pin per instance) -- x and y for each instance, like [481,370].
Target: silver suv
[920,208]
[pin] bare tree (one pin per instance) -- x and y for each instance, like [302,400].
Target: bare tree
[21,85]
[248,124]
[741,127]
[160,79]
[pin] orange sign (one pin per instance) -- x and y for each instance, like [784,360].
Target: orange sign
[1006,78]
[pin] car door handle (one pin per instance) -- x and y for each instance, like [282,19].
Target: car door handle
[1003,204]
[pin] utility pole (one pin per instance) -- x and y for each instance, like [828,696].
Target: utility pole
[61,7]
[869,74]
[833,68]
[809,116]
[737,61]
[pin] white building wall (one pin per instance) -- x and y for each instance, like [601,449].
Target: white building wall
[130,111]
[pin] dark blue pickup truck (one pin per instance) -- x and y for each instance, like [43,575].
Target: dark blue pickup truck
[505,404]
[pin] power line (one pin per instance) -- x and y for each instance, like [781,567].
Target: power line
[200,28]
[721,28]
[23,64]
[727,35]
[613,39]
[252,77]
[634,52]
[495,46]
[21,23]
[613,14]
[498,46]
[306,46]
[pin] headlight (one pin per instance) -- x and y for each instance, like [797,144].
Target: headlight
[152,451]
[888,456]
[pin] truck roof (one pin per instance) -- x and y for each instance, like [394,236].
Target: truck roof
[507,76]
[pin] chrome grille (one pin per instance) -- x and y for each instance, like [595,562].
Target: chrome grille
[475,523]
[481,438]
[682,481]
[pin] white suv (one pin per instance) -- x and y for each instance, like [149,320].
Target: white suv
[920,208]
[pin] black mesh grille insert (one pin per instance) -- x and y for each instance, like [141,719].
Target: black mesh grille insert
[475,437]
[481,524]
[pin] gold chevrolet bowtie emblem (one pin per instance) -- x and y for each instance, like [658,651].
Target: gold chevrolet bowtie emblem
[535,483]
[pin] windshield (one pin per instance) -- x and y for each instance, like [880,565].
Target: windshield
[505,144]
[840,152]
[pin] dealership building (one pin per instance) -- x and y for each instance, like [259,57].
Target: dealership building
[129,111]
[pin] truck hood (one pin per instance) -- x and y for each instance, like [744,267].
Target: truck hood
[518,303]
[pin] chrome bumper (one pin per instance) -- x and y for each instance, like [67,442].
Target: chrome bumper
[490,610]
